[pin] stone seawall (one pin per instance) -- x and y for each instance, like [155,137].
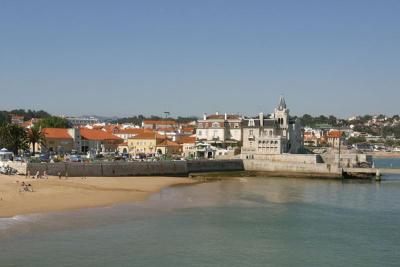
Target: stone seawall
[184,168]
[293,168]
[347,160]
[215,165]
[290,158]
[159,168]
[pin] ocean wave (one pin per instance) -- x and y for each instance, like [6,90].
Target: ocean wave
[18,220]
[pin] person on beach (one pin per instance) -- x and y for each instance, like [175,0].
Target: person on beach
[24,187]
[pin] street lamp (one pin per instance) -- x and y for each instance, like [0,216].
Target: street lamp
[340,137]
[167,113]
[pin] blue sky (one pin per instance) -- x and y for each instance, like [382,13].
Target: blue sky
[188,57]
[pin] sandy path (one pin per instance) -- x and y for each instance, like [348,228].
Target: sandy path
[56,195]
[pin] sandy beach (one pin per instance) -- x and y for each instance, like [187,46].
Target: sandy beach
[385,154]
[53,194]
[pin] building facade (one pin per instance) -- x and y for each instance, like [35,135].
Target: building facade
[336,138]
[157,124]
[275,135]
[82,121]
[57,140]
[81,140]
[144,145]
[188,146]
[220,130]
[17,119]
[168,148]
[98,141]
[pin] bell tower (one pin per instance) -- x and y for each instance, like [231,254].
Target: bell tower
[282,114]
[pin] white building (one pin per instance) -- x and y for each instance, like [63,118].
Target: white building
[221,130]
[82,121]
[271,136]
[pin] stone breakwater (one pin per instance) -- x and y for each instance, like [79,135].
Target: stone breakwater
[159,168]
[184,168]
[293,169]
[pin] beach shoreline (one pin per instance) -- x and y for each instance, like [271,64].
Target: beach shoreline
[54,194]
[384,155]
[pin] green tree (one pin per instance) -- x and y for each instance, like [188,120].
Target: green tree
[366,118]
[4,117]
[356,140]
[332,120]
[35,136]
[307,120]
[29,114]
[186,119]
[13,137]
[53,122]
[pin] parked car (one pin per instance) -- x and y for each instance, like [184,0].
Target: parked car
[44,158]
[75,158]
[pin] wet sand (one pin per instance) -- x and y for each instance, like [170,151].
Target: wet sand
[53,194]
[385,154]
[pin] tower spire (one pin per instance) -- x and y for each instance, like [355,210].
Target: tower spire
[282,103]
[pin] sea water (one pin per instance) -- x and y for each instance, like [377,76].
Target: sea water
[241,222]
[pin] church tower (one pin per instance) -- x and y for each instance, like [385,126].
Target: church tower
[282,114]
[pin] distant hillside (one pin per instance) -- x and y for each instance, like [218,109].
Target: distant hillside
[5,116]
[138,119]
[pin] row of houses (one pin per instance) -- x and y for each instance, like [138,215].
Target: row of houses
[137,142]
[324,137]
[215,135]
[328,136]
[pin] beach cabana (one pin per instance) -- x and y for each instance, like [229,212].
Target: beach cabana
[5,155]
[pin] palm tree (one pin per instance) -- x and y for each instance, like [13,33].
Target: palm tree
[35,136]
[13,137]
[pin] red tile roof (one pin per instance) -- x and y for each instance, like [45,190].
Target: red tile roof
[187,140]
[335,134]
[132,131]
[159,122]
[112,128]
[167,142]
[188,128]
[97,135]
[167,129]
[56,133]
[97,127]
[222,117]
[148,135]
[14,116]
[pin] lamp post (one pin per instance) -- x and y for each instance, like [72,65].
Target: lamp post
[167,113]
[340,137]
